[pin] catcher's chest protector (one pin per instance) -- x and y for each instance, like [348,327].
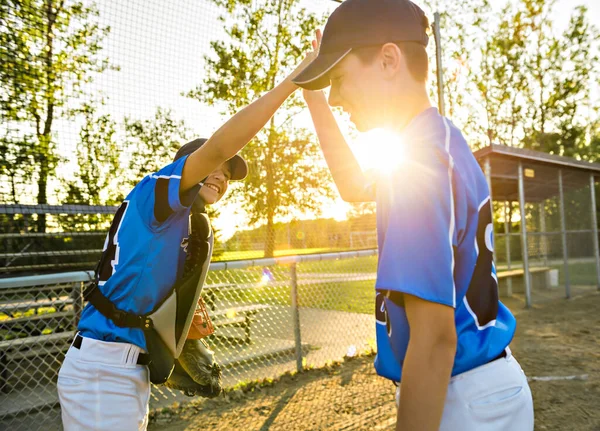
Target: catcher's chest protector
[166,326]
[172,318]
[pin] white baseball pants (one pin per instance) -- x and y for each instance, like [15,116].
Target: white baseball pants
[492,397]
[101,387]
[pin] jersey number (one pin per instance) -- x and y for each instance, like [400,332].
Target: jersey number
[110,252]
[482,294]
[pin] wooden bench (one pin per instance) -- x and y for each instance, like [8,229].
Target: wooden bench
[211,291]
[237,317]
[540,277]
[11,308]
[36,324]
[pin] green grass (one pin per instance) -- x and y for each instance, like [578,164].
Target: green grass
[359,264]
[282,272]
[356,296]
[259,254]
[580,273]
[349,296]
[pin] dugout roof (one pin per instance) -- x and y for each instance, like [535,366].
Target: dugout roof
[540,172]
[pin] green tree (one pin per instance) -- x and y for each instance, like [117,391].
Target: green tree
[97,178]
[265,39]
[462,26]
[562,74]
[16,160]
[98,172]
[50,50]
[501,79]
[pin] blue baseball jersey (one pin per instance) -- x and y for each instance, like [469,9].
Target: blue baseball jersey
[144,252]
[435,237]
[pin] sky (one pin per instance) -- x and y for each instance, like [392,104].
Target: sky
[159,48]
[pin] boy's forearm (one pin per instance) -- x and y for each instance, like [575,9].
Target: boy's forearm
[346,171]
[243,126]
[232,136]
[425,377]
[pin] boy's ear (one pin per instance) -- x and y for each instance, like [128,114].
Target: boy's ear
[391,57]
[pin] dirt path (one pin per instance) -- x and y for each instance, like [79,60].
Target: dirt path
[561,338]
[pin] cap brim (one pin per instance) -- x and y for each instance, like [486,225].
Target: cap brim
[239,168]
[316,75]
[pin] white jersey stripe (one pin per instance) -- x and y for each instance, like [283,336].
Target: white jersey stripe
[483,203]
[452,221]
[166,177]
[487,325]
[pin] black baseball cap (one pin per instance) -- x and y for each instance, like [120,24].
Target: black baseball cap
[238,166]
[362,23]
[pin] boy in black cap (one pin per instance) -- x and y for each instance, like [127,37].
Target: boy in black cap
[160,239]
[442,333]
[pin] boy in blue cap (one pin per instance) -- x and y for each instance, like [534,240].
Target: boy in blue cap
[442,333]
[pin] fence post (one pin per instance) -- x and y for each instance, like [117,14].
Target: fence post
[296,317]
[563,234]
[487,168]
[77,296]
[525,250]
[507,216]
[543,237]
[595,227]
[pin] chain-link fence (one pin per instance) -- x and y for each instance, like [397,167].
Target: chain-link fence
[271,317]
[28,252]
[96,95]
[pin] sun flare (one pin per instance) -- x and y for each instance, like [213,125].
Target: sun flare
[379,149]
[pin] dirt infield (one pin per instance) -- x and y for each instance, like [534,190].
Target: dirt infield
[558,339]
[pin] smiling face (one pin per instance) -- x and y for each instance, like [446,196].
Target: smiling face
[216,184]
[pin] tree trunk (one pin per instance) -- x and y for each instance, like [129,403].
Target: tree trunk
[271,203]
[46,136]
[270,237]
[13,188]
[42,186]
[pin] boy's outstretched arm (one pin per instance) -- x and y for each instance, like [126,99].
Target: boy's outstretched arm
[232,136]
[349,178]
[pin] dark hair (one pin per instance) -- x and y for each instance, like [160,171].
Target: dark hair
[414,53]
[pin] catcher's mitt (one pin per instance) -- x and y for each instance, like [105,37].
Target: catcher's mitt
[196,372]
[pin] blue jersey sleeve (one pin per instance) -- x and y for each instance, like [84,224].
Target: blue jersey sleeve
[157,196]
[417,256]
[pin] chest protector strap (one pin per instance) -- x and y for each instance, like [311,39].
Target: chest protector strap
[166,327]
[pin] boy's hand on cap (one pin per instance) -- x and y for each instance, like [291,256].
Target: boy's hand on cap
[309,95]
[310,56]
[316,43]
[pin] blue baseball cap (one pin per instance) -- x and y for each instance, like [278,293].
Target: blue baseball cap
[237,164]
[362,23]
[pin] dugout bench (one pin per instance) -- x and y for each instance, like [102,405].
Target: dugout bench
[541,277]
[230,316]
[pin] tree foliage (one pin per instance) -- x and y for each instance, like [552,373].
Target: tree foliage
[50,50]
[97,178]
[153,142]
[265,39]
